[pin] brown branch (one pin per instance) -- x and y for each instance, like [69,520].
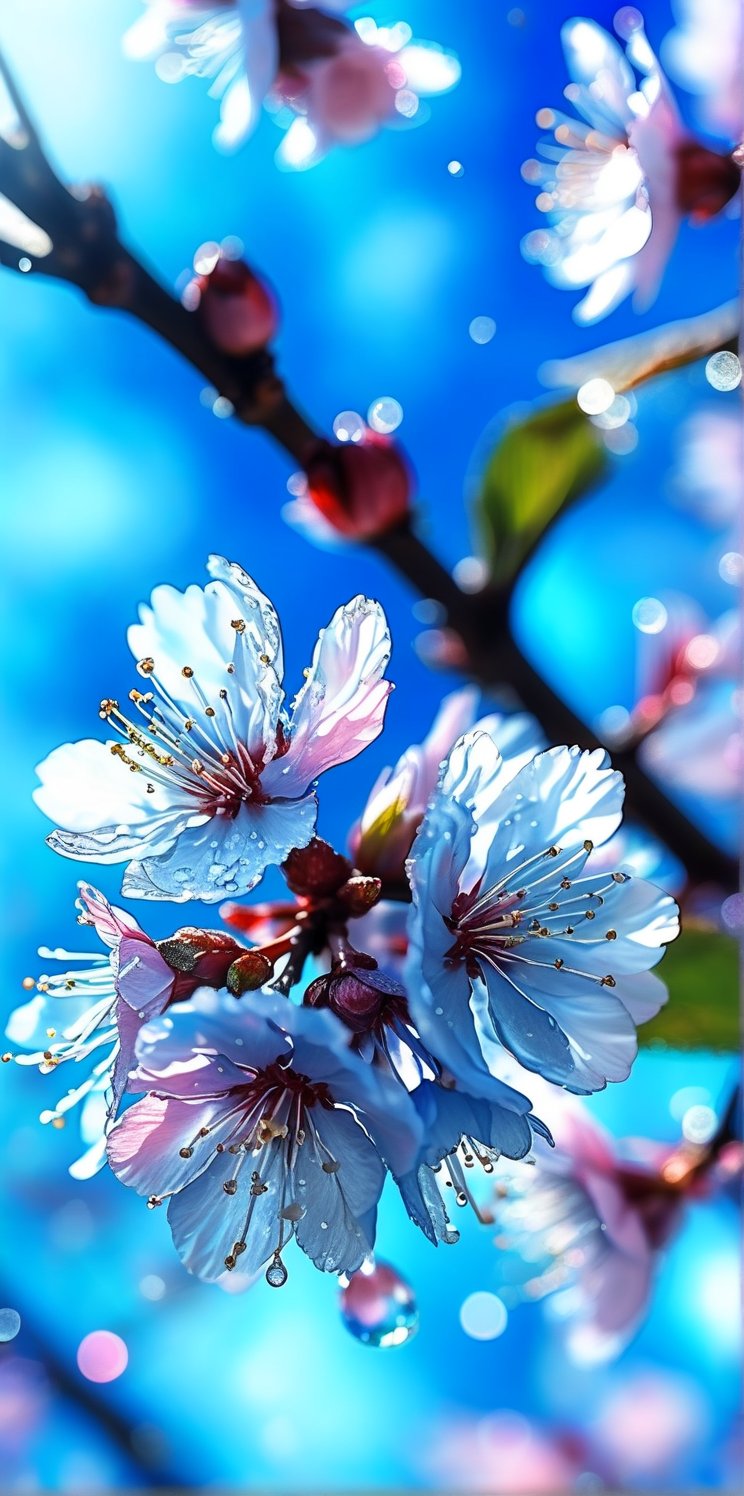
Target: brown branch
[87,252]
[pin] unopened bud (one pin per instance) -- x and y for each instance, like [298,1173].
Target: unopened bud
[248,973]
[360,894]
[316,870]
[359,996]
[238,310]
[199,958]
[362,488]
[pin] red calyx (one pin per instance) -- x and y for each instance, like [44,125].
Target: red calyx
[362,488]
[200,958]
[706,180]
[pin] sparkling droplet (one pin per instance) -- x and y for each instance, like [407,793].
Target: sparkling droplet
[348,426]
[378,1307]
[10,1324]
[276,1273]
[723,371]
[649,615]
[385,415]
[595,397]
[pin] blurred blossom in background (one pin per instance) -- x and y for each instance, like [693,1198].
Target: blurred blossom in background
[408,307]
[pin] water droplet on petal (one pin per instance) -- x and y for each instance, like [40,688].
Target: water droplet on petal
[378,1307]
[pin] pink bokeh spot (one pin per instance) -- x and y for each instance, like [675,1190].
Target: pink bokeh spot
[102,1356]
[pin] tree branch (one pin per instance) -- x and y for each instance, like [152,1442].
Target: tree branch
[86,251]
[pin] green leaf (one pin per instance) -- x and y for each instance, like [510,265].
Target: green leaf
[541,463]
[701,970]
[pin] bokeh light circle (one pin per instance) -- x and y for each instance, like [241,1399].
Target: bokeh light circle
[650,615]
[385,415]
[102,1356]
[482,329]
[10,1324]
[483,1316]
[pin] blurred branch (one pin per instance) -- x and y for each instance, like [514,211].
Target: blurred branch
[72,235]
[632,361]
[96,1405]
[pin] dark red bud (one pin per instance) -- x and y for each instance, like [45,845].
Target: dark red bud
[706,180]
[316,870]
[360,894]
[201,958]
[248,973]
[238,310]
[355,1001]
[363,489]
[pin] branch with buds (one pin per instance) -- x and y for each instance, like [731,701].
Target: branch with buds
[223,326]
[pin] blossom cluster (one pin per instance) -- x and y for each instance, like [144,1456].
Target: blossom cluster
[267,1077]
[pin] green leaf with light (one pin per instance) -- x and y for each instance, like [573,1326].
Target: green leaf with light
[542,463]
[701,971]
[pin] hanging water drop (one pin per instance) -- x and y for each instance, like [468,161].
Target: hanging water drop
[276,1273]
[378,1307]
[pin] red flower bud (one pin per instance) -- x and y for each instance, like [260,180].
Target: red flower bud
[238,310]
[316,870]
[362,488]
[361,995]
[200,958]
[360,894]
[706,180]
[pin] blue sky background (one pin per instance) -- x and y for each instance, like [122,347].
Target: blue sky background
[115,477]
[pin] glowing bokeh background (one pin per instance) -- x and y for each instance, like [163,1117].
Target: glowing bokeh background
[116,477]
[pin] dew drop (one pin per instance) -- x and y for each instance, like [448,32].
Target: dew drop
[378,1307]
[276,1273]
[723,371]
[385,415]
[348,426]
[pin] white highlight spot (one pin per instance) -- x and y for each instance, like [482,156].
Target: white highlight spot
[650,615]
[483,1316]
[595,397]
[482,329]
